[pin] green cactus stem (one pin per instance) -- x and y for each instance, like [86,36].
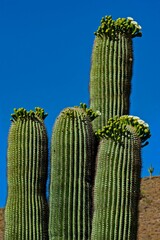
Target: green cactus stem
[150,170]
[111,68]
[72,166]
[117,180]
[26,211]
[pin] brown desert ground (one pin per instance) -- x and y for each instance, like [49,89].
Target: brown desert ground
[149,210]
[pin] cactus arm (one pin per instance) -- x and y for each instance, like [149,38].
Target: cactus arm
[116,189]
[111,68]
[72,153]
[117,180]
[26,212]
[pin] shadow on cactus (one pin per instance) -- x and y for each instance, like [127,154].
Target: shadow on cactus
[117,127]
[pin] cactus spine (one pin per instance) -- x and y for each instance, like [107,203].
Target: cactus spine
[117,181]
[72,157]
[111,68]
[26,212]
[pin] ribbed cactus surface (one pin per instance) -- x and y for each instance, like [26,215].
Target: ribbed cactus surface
[111,68]
[72,165]
[116,190]
[26,211]
[117,181]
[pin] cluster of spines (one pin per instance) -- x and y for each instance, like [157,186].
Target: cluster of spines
[72,161]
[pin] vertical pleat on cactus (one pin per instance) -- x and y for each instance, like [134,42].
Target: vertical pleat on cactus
[72,164]
[26,211]
[111,68]
[117,187]
[117,180]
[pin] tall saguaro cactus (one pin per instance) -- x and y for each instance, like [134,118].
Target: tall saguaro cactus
[72,163]
[26,212]
[111,68]
[117,182]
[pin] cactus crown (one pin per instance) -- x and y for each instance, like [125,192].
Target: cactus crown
[117,127]
[22,114]
[84,110]
[91,114]
[111,28]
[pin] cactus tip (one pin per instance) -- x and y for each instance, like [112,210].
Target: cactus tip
[118,126]
[21,113]
[111,27]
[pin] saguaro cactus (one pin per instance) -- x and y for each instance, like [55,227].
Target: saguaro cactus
[117,181]
[26,211]
[111,68]
[72,164]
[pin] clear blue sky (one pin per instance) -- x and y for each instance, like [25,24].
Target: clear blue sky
[45,54]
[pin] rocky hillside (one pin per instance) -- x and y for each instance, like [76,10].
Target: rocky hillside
[149,210]
[1,223]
